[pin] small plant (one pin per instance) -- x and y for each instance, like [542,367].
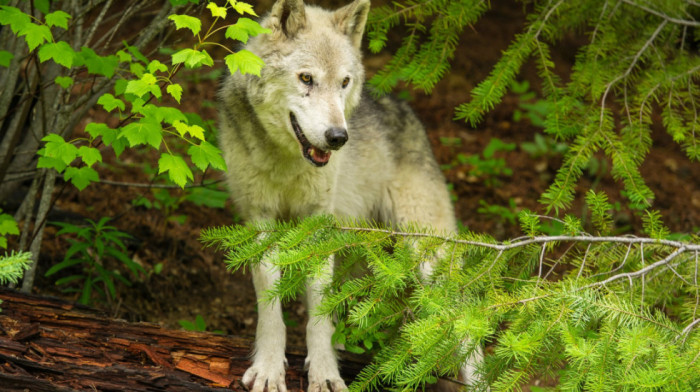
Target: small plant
[7,226]
[163,201]
[168,202]
[543,146]
[503,214]
[12,266]
[98,250]
[530,106]
[486,166]
[357,341]
[199,325]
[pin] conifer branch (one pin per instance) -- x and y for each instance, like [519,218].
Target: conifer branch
[481,289]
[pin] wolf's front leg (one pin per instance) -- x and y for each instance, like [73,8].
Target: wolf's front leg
[321,360]
[268,369]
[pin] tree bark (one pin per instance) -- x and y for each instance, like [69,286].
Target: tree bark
[51,345]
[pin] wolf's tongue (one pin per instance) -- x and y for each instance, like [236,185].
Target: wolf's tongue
[319,156]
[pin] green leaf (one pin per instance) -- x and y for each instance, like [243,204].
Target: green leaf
[206,154]
[156,65]
[57,147]
[199,320]
[14,17]
[50,163]
[58,18]
[59,51]
[81,177]
[96,64]
[192,58]
[35,35]
[137,69]
[186,21]
[109,102]
[143,132]
[216,11]
[242,8]
[118,145]
[120,86]
[96,130]
[8,225]
[5,58]
[194,130]
[245,61]
[135,52]
[89,155]
[124,57]
[245,28]
[162,113]
[175,90]
[146,84]
[177,169]
[64,81]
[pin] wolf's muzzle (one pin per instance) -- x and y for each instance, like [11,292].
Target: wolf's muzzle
[336,137]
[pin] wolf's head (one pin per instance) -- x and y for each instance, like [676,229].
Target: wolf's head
[313,75]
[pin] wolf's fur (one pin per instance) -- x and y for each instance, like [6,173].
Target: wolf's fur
[380,165]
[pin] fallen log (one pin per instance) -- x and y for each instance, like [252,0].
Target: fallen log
[48,344]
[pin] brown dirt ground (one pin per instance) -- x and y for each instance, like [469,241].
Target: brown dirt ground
[194,281]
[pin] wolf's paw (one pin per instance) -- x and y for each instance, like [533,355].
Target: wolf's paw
[324,377]
[265,377]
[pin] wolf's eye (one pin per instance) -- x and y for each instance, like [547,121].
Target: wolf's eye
[346,81]
[306,79]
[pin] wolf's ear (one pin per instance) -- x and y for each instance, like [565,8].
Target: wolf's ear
[287,17]
[351,20]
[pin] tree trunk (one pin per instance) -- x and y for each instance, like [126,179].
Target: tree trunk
[51,345]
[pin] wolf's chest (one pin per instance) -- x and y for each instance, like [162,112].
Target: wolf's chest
[281,194]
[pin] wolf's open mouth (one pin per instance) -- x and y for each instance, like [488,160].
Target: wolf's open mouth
[313,154]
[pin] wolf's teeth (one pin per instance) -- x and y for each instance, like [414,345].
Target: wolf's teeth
[312,151]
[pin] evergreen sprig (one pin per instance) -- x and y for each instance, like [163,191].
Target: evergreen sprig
[590,312]
[13,265]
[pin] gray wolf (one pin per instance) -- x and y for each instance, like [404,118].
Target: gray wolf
[304,139]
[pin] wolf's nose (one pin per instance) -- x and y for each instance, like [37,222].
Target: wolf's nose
[336,137]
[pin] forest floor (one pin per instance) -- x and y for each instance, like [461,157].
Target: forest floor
[194,281]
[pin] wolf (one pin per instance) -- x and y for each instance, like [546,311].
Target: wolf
[304,138]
